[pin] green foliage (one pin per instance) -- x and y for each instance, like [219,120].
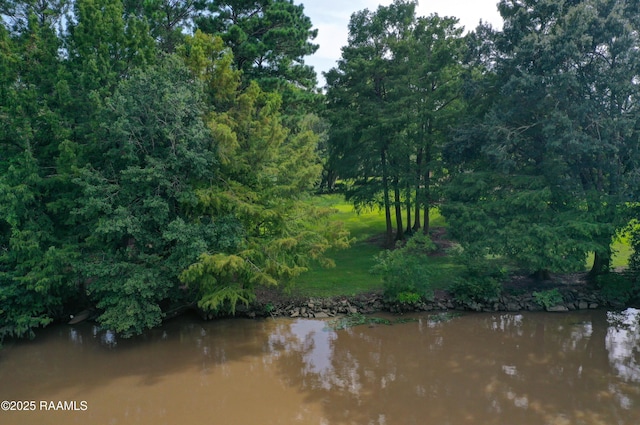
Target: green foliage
[269,39]
[265,172]
[139,196]
[406,271]
[36,193]
[391,101]
[127,293]
[634,258]
[521,218]
[223,280]
[480,281]
[548,298]
[618,288]
[133,179]
[123,166]
[408,298]
[544,172]
[168,20]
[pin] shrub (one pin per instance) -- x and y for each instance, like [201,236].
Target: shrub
[480,281]
[634,258]
[618,287]
[406,271]
[548,298]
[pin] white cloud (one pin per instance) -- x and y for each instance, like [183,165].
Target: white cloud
[331,18]
[469,12]
[331,38]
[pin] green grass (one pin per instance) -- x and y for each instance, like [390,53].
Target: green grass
[621,252]
[351,275]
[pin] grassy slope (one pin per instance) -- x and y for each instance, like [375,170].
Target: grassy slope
[351,275]
[621,253]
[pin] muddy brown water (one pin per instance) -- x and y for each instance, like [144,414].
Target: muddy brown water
[481,369]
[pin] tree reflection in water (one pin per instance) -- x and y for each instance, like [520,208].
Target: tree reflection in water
[483,368]
[623,343]
[578,368]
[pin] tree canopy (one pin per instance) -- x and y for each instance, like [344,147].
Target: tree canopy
[143,170]
[159,155]
[390,102]
[553,160]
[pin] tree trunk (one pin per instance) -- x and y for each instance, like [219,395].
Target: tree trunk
[330,180]
[426,199]
[542,275]
[601,263]
[398,207]
[427,217]
[388,239]
[418,205]
[409,206]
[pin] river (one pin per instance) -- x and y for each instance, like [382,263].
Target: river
[483,369]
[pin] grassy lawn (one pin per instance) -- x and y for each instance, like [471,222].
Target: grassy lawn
[621,253]
[351,274]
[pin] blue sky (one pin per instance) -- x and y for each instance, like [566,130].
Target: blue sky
[331,18]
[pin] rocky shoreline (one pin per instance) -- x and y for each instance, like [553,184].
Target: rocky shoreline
[573,297]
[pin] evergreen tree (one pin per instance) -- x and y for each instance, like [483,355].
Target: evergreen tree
[390,101]
[139,201]
[169,20]
[103,48]
[264,174]
[35,180]
[43,13]
[360,111]
[269,39]
[435,74]
[555,157]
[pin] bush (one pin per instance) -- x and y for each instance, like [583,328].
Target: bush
[634,258]
[406,271]
[480,281]
[618,287]
[549,298]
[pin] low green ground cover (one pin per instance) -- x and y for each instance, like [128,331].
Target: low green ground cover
[621,252]
[352,273]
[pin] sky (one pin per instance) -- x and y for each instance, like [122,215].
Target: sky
[331,18]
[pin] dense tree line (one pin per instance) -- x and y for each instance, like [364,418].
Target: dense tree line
[391,100]
[146,163]
[526,138]
[156,155]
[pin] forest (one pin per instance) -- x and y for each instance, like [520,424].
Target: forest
[160,155]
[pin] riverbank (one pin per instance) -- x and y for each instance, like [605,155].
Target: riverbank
[564,293]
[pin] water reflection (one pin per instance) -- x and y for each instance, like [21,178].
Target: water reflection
[580,368]
[503,368]
[623,343]
[311,339]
